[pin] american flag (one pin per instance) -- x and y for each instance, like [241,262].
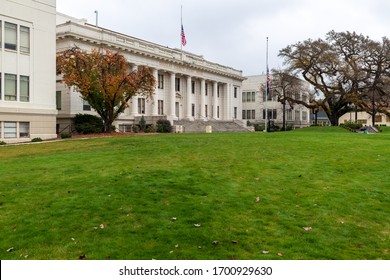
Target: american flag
[183,36]
[268,85]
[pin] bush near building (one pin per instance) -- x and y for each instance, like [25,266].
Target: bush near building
[87,124]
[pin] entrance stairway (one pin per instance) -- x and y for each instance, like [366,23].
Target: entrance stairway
[199,126]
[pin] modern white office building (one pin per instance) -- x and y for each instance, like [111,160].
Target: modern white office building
[188,86]
[255,105]
[27,70]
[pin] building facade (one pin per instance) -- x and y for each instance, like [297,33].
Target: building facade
[255,106]
[188,86]
[27,70]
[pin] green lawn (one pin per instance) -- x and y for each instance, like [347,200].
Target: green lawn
[114,198]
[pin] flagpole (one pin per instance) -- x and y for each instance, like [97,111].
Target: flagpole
[181,26]
[266,89]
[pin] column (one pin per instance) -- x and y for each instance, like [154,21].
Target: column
[188,113]
[172,99]
[215,100]
[154,100]
[134,99]
[202,98]
[228,102]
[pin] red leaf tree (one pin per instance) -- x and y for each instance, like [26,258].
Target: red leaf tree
[104,79]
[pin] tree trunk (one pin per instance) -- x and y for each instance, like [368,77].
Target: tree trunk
[108,126]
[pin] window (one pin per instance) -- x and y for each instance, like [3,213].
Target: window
[177,84]
[289,114]
[193,110]
[10,38]
[217,111]
[297,115]
[86,106]
[235,112]
[244,97]
[304,115]
[24,88]
[141,105]
[1,35]
[206,111]
[235,92]
[253,114]
[24,129]
[378,118]
[9,129]
[207,88]
[24,39]
[10,87]
[160,81]
[0,74]
[193,87]
[218,91]
[253,96]
[58,100]
[1,125]
[161,107]
[272,114]
[248,97]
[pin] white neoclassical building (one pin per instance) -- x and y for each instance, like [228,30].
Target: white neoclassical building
[27,70]
[255,106]
[188,87]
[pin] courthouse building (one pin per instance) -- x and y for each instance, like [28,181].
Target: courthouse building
[188,86]
[27,70]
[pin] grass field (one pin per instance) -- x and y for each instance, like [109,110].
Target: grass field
[316,193]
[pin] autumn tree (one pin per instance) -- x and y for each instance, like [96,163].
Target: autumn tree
[104,80]
[341,67]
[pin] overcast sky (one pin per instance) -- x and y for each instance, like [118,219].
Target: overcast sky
[234,33]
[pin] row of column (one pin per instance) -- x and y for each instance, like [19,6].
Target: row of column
[189,100]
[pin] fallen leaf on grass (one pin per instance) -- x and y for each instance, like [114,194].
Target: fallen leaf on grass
[215,242]
[265,252]
[197,225]
[280,254]
[173,219]
[101,226]
[307,228]
[235,241]
[257,199]
[10,249]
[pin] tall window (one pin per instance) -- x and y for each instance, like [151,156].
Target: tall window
[24,39]
[58,100]
[235,92]
[177,84]
[1,35]
[9,129]
[0,77]
[24,88]
[193,87]
[235,112]
[10,38]
[161,107]
[10,87]
[206,111]
[141,105]
[193,110]
[253,96]
[160,81]
[24,129]
[244,97]
[207,88]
